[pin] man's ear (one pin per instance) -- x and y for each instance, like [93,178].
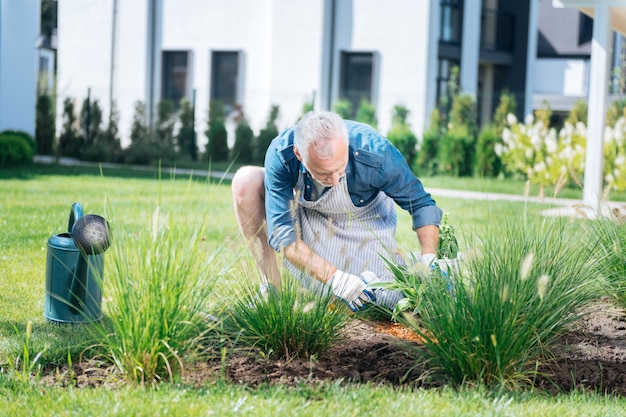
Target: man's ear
[297,153]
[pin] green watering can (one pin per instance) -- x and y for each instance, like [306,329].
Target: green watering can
[74,269]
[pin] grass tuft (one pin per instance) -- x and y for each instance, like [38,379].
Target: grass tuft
[286,323]
[508,305]
[160,279]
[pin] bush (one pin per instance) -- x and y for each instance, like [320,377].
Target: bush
[429,147]
[507,105]
[343,107]
[366,113]
[266,135]
[401,137]
[456,152]
[488,163]
[44,130]
[140,150]
[70,143]
[217,146]
[164,131]
[578,113]
[243,148]
[14,149]
[186,137]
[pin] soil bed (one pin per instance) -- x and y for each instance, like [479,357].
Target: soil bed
[592,356]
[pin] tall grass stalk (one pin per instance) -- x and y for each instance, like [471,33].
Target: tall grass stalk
[24,365]
[509,304]
[160,280]
[608,243]
[286,323]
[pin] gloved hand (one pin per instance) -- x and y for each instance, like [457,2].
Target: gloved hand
[428,259]
[352,289]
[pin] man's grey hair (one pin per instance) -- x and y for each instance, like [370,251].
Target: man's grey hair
[317,129]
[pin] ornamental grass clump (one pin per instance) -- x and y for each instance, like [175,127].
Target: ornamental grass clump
[608,244]
[159,280]
[529,280]
[289,322]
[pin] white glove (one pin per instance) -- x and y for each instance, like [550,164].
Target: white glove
[428,258]
[352,289]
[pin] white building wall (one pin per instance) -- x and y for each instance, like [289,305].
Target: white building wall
[19,30]
[400,36]
[284,44]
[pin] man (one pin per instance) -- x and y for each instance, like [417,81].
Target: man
[325,200]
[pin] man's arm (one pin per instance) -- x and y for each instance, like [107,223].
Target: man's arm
[305,259]
[428,237]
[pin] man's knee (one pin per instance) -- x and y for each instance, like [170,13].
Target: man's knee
[248,183]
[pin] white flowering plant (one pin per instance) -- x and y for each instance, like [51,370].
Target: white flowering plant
[545,156]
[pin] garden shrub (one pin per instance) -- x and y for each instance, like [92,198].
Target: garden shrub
[366,113]
[14,149]
[401,136]
[243,148]
[506,106]
[343,107]
[426,162]
[616,110]
[163,138]
[578,113]
[186,136]
[217,146]
[140,150]
[70,142]
[45,125]
[25,136]
[615,155]
[456,152]
[266,135]
[488,163]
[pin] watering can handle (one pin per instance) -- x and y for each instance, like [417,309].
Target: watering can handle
[75,214]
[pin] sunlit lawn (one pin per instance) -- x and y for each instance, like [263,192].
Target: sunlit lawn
[35,204]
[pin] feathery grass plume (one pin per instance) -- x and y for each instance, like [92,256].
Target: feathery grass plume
[607,243]
[289,322]
[476,335]
[527,266]
[160,277]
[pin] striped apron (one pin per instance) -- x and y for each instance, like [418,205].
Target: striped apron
[353,239]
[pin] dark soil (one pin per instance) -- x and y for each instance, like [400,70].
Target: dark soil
[592,356]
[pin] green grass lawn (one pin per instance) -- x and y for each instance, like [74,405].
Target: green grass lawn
[35,204]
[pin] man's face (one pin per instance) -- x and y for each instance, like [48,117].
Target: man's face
[327,171]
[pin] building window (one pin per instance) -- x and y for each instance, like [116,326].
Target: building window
[357,77]
[224,78]
[175,76]
[451,21]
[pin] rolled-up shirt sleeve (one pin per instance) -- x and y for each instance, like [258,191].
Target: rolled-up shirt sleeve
[387,170]
[279,198]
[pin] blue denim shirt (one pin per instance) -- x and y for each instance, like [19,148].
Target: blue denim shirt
[374,166]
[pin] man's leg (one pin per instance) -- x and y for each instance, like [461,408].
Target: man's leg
[249,200]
